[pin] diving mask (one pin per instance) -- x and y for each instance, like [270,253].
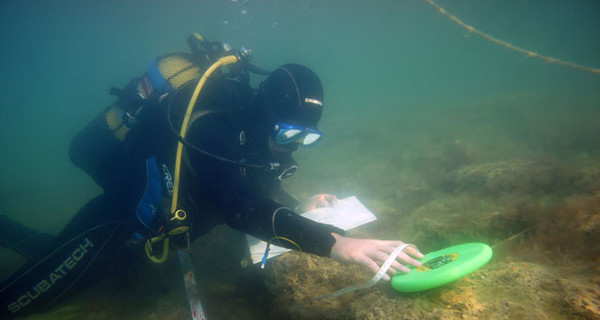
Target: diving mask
[287,133]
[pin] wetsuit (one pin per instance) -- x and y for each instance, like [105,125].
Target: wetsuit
[98,240]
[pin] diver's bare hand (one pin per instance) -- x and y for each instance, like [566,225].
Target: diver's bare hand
[318,201]
[372,254]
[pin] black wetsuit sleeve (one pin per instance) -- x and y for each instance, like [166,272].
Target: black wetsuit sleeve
[281,196]
[240,202]
[286,198]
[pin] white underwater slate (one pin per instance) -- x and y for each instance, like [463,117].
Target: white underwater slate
[347,214]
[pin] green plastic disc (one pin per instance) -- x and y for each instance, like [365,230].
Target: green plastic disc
[443,266]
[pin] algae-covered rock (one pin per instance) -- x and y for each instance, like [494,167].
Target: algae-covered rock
[513,176]
[504,289]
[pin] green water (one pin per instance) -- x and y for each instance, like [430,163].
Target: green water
[416,107]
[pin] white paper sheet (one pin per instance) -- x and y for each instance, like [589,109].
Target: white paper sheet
[347,214]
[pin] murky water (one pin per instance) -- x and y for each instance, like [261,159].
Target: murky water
[445,135]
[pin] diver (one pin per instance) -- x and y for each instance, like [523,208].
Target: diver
[175,159]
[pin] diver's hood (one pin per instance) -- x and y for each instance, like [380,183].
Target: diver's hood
[293,94]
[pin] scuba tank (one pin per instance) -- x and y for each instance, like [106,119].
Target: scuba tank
[108,142]
[98,147]
[123,135]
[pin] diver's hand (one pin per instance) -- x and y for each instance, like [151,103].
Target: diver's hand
[372,254]
[317,201]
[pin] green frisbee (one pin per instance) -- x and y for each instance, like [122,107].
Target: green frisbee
[443,266]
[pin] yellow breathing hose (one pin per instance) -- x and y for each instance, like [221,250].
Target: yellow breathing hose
[165,252]
[184,126]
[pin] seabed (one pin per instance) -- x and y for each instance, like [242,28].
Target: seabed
[519,173]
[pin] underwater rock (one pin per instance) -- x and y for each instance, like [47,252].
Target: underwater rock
[583,296]
[294,279]
[517,176]
[504,289]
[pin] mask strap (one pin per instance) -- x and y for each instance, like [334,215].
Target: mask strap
[295,84]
